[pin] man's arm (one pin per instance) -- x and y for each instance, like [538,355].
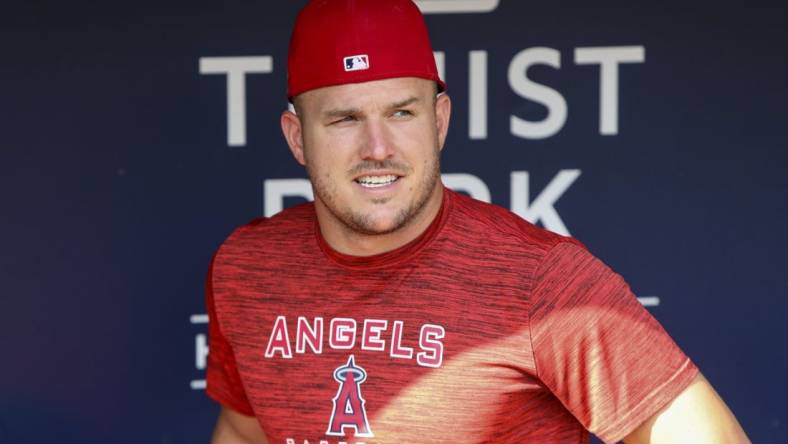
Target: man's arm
[235,428]
[698,415]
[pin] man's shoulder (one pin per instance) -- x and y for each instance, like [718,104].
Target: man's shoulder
[500,225]
[281,230]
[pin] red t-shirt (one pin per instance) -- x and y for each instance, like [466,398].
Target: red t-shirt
[483,329]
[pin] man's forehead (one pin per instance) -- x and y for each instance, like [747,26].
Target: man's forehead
[387,92]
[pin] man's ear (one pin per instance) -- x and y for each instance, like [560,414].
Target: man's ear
[291,128]
[442,115]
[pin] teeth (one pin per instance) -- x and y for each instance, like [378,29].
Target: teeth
[376,181]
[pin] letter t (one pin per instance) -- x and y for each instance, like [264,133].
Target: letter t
[236,69]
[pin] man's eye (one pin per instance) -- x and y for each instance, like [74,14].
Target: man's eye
[344,119]
[403,113]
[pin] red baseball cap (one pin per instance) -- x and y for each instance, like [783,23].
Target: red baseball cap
[352,41]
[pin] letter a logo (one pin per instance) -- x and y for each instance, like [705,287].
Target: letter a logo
[349,411]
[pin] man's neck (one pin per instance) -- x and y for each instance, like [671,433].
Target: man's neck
[345,240]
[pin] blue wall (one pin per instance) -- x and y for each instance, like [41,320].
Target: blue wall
[117,182]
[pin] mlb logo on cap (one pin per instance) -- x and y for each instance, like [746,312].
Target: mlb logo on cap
[357,63]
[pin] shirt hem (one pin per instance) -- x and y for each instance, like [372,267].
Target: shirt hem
[229,402]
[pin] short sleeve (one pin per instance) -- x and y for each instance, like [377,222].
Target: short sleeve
[223,381]
[597,349]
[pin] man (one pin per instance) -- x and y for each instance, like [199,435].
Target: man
[394,310]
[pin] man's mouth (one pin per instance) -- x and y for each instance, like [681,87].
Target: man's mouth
[376,181]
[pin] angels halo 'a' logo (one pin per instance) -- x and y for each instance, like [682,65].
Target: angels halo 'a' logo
[349,411]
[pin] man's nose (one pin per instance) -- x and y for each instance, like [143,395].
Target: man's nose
[378,142]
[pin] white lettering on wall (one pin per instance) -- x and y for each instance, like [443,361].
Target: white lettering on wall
[456,6]
[608,58]
[542,208]
[200,351]
[477,95]
[236,69]
[275,191]
[539,210]
[528,89]
[467,183]
[440,63]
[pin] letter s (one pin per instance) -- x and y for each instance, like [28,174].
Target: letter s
[430,343]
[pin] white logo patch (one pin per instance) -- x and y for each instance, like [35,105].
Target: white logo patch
[357,62]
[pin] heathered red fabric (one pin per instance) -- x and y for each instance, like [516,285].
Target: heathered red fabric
[484,329]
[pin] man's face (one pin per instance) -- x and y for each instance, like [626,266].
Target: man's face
[372,151]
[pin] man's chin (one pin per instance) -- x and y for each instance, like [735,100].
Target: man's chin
[377,224]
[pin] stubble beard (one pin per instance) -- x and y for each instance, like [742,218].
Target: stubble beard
[363,222]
